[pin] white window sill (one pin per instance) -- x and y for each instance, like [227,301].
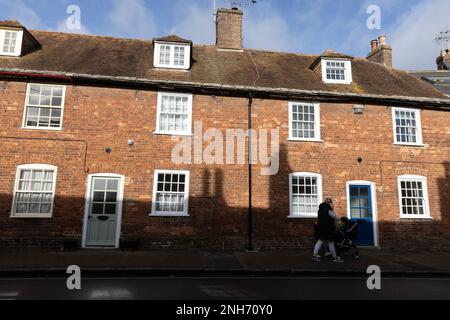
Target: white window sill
[413,217]
[42,128]
[31,216]
[159,133]
[305,140]
[169,68]
[336,82]
[302,216]
[11,55]
[159,215]
[420,145]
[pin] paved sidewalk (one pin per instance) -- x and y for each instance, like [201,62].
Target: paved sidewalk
[219,262]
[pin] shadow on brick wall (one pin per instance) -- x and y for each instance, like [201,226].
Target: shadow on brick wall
[213,224]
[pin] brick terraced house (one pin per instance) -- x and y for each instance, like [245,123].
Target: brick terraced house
[89,126]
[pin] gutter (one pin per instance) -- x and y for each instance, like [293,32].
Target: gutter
[232,90]
[35,75]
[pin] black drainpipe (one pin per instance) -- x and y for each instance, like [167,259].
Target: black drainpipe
[250,213]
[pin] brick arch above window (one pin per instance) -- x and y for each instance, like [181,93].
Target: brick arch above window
[301,167]
[411,171]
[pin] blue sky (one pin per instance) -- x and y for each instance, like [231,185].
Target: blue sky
[305,26]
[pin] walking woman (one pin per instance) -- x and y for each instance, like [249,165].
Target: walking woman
[325,230]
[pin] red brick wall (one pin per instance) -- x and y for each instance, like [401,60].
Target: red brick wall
[103,117]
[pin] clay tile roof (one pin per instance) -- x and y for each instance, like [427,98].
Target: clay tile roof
[173,38]
[10,23]
[118,57]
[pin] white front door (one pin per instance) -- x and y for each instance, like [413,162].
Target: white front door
[103,211]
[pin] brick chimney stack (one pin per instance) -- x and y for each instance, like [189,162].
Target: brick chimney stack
[443,61]
[229,29]
[381,52]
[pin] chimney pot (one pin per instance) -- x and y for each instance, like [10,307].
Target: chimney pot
[374,44]
[381,51]
[229,29]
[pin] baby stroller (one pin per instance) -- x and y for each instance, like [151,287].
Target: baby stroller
[346,233]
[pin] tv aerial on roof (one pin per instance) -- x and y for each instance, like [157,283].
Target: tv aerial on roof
[235,4]
[443,40]
[241,3]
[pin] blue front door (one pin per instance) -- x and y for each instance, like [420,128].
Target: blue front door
[361,211]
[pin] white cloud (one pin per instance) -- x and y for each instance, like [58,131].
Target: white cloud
[197,23]
[131,18]
[413,37]
[265,28]
[18,10]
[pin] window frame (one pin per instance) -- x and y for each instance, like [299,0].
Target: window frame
[426,207]
[25,110]
[188,132]
[303,215]
[171,65]
[18,48]
[185,213]
[418,127]
[19,169]
[347,73]
[317,132]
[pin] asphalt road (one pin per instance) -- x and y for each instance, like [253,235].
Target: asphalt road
[225,288]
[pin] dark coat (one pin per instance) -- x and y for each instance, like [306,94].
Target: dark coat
[326,226]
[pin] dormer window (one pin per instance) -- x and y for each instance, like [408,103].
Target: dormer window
[172,52]
[173,56]
[336,71]
[10,42]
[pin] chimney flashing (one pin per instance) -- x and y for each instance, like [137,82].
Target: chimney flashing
[230,49]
